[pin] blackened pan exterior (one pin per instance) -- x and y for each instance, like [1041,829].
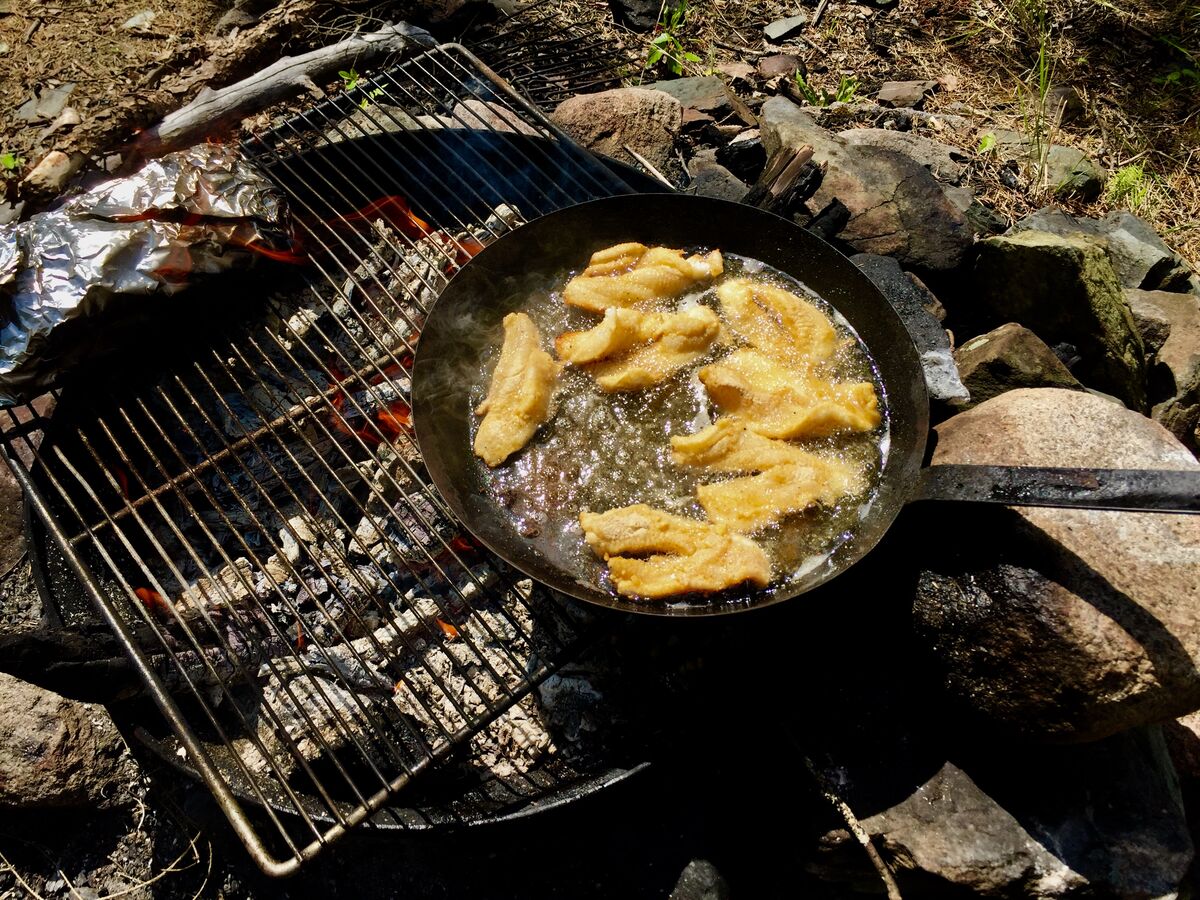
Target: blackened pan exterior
[488,288]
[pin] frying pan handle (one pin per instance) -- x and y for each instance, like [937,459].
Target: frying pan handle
[1146,490]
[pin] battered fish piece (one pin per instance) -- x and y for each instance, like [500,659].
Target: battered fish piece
[685,556]
[778,402]
[677,340]
[755,502]
[729,446]
[785,327]
[623,329]
[631,274]
[518,399]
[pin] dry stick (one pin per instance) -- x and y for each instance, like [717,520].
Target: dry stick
[646,164]
[816,19]
[220,110]
[829,792]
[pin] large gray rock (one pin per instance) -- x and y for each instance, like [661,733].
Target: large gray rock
[1064,290]
[57,752]
[897,208]
[905,93]
[1068,171]
[945,163]
[1099,820]
[1181,415]
[1064,624]
[1008,358]
[711,179]
[1137,253]
[647,121]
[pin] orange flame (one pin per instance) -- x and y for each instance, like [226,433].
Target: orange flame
[300,639]
[394,210]
[447,629]
[462,545]
[153,601]
[122,480]
[283,256]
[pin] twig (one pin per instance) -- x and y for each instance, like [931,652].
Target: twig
[645,164]
[831,795]
[21,881]
[816,19]
[169,870]
[16,565]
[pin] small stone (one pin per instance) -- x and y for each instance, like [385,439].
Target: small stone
[778,64]
[139,22]
[737,72]
[744,155]
[1064,104]
[706,94]
[909,94]
[52,171]
[1065,624]
[1064,289]
[477,113]
[1072,174]
[700,880]
[27,111]
[1008,358]
[235,17]
[648,121]
[784,28]
[56,752]
[639,15]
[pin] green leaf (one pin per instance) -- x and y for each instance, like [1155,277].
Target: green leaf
[691,57]
[987,143]
[662,40]
[8,161]
[654,56]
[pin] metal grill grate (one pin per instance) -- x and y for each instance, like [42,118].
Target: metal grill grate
[252,520]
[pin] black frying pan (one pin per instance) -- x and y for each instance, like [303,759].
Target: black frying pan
[465,322]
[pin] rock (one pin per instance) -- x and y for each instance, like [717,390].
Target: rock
[140,23]
[784,28]
[1063,289]
[705,94]
[640,15]
[700,880]
[648,121]
[910,94]
[234,17]
[1183,742]
[738,72]
[68,118]
[744,155]
[1071,173]
[50,175]
[53,101]
[1181,415]
[1007,358]
[1099,820]
[711,179]
[918,308]
[897,208]
[1064,103]
[944,162]
[1064,624]
[1179,316]
[1138,255]
[777,64]
[1153,323]
[476,113]
[56,752]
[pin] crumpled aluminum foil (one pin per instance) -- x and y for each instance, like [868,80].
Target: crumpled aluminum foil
[190,213]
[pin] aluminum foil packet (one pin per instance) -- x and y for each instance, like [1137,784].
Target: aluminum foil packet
[65,274]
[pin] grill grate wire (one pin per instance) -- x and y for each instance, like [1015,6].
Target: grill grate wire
[222,449]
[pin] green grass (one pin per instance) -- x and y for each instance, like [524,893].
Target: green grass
[1130,186]
[845,92]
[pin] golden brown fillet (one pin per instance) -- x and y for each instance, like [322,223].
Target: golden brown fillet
[777,402]
[627,276]
[685,555]
[723,563]
[678,340]
[777,322]
[518,399]
[623,329]
[754,502]
[729,446]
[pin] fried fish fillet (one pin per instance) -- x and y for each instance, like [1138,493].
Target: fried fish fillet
[518,399]
[674,340]
[729,446]
[778,402]
[630,274]
[623,329]
[777,322]
[755,502]
[684,555]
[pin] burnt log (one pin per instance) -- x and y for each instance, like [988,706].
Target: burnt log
[790,178]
